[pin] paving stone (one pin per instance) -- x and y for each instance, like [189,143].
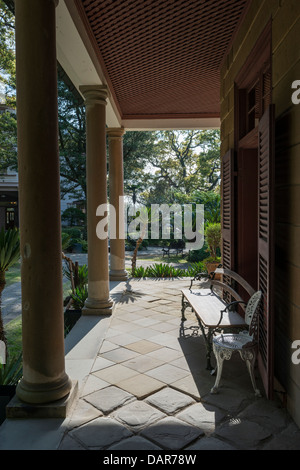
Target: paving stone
[115,373]
[144,333]
[162,327]
[209,443]
[107,346]
[101,433]
[165,354]
[135,443]
[243,434]
[122,339]
[167,373]
[142,363]
[137,415]
[148,321]
[198,386]
[169,401]
[68,443]
[229,399]
[165,339]
[120,354]
[109,398]
[266,413]
[83,413]
[171,433]
[205,417]
[93,384]
[143,346]
[288,439]
[141,386]
[101,363]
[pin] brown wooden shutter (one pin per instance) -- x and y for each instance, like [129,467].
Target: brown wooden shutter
[228,210]
[265,246]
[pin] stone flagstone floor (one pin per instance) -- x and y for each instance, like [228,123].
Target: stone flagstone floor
[149,389]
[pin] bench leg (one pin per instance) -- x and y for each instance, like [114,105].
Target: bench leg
[250,357]
[220,354]
[184,305]
[208,341]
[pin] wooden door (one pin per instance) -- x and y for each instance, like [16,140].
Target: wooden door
[266,246]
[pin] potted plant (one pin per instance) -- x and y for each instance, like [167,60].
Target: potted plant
[213,240]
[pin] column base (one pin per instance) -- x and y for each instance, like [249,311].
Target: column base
[36,394]
[57,409]
[118,275]
[98,307]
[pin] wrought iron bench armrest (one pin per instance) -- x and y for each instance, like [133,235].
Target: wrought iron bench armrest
[226,308]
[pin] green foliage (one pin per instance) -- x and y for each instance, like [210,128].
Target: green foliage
[8,141]
[82,276]
[74,232]
[72,142]
[196,268]
[7,52]
[73,216]
[213,238]
[79,297]
[65,240]
[183,162]
[163,270]
[197,255]
[11,372]
[9,248]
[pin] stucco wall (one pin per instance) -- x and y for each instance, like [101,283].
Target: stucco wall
[285,16]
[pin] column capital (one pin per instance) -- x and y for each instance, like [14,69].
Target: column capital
[115,132]
[94,94]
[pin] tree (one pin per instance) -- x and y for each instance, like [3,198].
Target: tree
[72,143]
[74,216]
[7,55]
[138,148]
[185,161]
[8,140]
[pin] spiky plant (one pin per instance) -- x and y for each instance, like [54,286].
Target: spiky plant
[9,255]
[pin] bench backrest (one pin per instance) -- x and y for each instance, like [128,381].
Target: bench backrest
[251,313]
[228,288]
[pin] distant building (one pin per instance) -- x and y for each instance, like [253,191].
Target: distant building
[9,214]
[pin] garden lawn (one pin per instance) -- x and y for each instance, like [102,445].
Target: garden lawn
[13,274]
[13,331]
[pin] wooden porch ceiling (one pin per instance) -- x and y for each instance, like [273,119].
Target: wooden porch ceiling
[161,59]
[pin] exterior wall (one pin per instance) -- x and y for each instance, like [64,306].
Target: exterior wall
[285,16]
[2,217]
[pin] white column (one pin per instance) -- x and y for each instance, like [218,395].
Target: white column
[98,301]
[44,378]
[116,193]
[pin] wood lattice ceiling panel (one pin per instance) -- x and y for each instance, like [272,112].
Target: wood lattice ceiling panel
[162,58]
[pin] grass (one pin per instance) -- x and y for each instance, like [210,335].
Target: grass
[13,274]
[13,331]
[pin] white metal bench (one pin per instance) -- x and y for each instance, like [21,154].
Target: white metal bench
[210,307]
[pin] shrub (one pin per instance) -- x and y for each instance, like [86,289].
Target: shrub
[213,238]
[11,372]
[198,255]
[196,268]
[79,297]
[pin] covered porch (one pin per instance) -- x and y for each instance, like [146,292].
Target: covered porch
[167,75]
[144,386]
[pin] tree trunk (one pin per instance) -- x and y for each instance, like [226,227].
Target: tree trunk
[134,256]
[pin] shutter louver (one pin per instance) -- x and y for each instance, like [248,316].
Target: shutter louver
[227,216]
[265,244]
